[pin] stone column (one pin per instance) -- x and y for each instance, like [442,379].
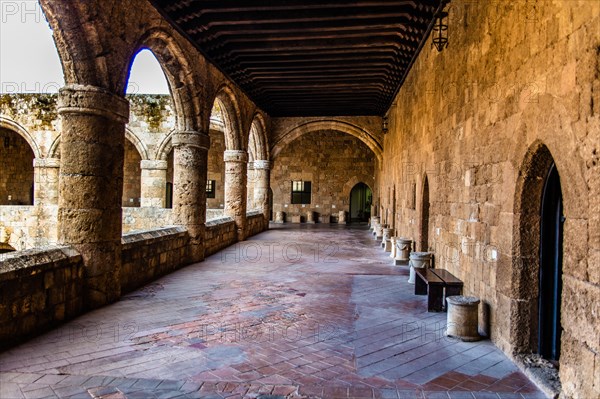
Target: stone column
[46,172]
[235,189]
[251,178]
[91,185]
[262,173]
[190,165]
[154,182]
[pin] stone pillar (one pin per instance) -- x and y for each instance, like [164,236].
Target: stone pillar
[262,173]
[190,165]
[154,182]
[91,185]
[46,172]
[250,182]
[235,189]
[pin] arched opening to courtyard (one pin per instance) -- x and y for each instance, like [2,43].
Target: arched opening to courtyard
[16,169]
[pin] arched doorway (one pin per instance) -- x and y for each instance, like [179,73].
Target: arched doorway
[424,245]
[538,249]
[360,203]
[551,237]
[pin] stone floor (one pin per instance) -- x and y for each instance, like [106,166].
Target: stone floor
[298,311]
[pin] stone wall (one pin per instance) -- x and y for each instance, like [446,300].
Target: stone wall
[256,223]
[39,289]
[145,218]
[216,169]
[220,233]
[214,214]
[333,162]
[31,124]
[26,227]
[518,79]
[132,176]
[150,254]
[16,179]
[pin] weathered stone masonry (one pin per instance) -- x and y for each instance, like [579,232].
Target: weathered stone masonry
[474,130]
[519,79]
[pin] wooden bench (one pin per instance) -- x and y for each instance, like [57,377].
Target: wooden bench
[437,284]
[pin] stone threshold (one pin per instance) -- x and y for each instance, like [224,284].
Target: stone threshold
[541,372]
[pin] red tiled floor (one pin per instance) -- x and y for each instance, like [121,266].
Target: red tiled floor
[346,327]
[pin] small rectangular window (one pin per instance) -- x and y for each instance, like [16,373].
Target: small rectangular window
[301,192]
[211,188]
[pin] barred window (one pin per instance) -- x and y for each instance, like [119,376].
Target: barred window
[301,191]
[211,188]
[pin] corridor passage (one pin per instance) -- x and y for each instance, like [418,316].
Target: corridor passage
[298,311]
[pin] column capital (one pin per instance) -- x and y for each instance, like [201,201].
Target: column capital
[235,156]
[147,164]
[191,138]
[82,99]
[46,162]
[262,164]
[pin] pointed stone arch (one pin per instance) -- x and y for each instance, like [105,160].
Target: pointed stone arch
[523,280]
[327,124]
[354,180]
[257,141]
[178,72]
[54,151]
[137,143]
[72,38]
[230,110]
[17,128]
[164,148]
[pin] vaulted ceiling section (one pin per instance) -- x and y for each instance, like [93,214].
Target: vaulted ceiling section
[309,58]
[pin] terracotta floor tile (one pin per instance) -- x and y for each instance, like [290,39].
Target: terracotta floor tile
[242,328]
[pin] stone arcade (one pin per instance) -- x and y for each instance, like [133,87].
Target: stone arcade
[490,159]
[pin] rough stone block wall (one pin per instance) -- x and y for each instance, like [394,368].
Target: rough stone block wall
[26,227]
[132,176]
[214,214]
[256,223]
[216,169]
[517,76]
[149,254]
[39,289]
[16,179]
[145,218]
[220,233]
[333,162]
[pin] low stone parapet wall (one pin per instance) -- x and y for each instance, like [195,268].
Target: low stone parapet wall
[220,233]
[149,254]
[255,223]
[39,288]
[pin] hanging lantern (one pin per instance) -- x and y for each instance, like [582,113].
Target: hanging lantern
[440,32]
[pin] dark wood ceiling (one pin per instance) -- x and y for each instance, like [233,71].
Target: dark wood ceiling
[309,58]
